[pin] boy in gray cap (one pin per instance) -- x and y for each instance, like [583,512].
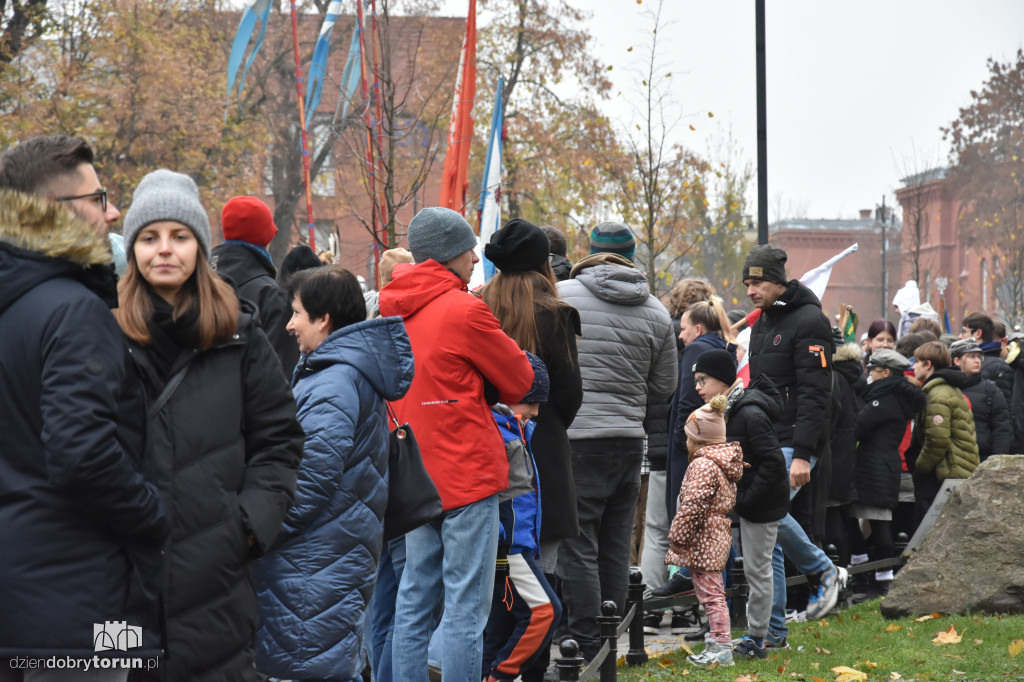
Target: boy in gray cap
[993,426]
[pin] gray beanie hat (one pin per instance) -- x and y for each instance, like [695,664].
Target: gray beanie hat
[166,195]
[439,233]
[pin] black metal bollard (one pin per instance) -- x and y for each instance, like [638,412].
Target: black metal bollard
[570,664]
[636,655]
[740,592]
[608,621]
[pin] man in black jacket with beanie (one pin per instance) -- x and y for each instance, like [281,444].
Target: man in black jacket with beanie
[791,343]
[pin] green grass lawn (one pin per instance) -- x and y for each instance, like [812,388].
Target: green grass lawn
[872,648]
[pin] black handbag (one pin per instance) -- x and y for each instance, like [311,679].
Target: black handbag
[413,499]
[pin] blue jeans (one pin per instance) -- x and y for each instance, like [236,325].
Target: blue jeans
[451,559]
[380,616]
[797,547]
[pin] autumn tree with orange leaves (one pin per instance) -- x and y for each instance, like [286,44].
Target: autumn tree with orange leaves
[135,79]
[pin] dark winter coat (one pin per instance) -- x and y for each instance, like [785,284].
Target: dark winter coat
[950,447]
[792,344]
[762,495]
[992,424]
[561,266]
[995,369]
[684,402]
[255,280]
[313,587]
[550,441]
[80,528]
[656,422]
[888,405]
[227,446]
[846,371]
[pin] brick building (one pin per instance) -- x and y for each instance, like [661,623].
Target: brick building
[930,220]
[857,279]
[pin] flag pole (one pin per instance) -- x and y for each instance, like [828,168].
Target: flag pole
[368,117]
[382,200]
[302,126]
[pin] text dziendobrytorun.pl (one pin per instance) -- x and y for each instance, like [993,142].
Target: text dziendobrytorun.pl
[83,664]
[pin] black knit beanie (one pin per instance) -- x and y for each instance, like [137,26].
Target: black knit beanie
[518,247]
[767,263]
[719,364]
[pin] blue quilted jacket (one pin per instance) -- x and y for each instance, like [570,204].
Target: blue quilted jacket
[314,585]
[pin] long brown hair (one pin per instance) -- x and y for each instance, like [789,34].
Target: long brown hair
[512,297]
[218,305]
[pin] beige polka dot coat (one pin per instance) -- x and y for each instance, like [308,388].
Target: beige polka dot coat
[701,533]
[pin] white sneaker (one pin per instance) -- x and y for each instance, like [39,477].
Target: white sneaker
[884,576]
[719,653]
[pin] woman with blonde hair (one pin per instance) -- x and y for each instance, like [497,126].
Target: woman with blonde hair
[704,326]
[224,436]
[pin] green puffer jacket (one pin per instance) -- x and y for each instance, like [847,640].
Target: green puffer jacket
[950,448]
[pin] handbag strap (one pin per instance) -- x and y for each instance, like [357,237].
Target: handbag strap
[391,413]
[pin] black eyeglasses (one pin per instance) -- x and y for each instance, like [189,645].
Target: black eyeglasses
[102,194]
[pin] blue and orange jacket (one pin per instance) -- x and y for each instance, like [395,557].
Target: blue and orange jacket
[519,517]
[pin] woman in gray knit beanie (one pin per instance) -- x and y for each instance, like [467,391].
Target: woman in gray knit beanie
[225,442]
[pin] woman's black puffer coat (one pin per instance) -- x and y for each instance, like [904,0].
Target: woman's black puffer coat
[993,425]
[888,405]
[227,445]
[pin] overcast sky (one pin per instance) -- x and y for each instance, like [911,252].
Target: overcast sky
[857,91]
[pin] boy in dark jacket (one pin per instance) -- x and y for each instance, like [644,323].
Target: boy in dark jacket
[762,494]
[992,423]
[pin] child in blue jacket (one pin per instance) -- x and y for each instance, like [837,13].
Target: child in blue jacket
[524,609]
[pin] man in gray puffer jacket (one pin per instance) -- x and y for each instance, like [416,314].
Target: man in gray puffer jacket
[627,356]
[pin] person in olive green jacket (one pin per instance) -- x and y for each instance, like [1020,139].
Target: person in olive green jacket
[950,448]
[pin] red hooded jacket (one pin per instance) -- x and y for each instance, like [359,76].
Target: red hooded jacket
[457,343]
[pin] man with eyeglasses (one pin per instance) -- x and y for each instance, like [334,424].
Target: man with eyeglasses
[80,527]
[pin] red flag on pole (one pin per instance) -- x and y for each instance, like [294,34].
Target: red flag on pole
[455,177]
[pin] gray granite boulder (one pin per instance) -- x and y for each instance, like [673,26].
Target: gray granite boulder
[973,558]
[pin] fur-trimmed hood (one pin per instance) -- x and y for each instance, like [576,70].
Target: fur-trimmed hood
[847,351]
[40,240]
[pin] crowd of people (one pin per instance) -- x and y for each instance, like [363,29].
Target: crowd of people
[197,442]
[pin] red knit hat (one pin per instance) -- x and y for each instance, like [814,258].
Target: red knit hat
[247,219]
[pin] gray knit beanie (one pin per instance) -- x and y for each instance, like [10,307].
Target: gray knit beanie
[166,195]
[439,233]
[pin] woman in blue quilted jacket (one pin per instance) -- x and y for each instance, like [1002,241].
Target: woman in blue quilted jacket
[314,585]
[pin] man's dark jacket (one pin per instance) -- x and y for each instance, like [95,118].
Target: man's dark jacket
[993,426]
[792,344]
[255,280]
[80,528]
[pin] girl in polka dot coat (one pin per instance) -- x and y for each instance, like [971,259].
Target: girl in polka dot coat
[701,533]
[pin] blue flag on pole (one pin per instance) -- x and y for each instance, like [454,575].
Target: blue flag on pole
[318,66]
[490,194]
[351,77]
[255,12]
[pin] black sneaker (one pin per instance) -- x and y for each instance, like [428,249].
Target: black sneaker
[690,624]
[745,647]
[652,622]
[675,586]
